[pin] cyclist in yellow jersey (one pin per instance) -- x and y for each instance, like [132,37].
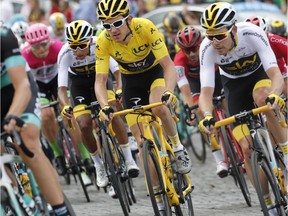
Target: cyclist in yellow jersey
[148,73]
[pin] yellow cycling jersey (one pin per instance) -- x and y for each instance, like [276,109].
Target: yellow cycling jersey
[142,52]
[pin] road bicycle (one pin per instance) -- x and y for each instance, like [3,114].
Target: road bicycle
[265,158]
[190,136]
[14,199]
[113,159]
[73,162]
[231,149]
[175,188]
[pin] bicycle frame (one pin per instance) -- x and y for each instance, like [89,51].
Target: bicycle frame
[254,131]
[148,121]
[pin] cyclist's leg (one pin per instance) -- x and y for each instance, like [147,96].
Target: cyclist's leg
[49,123]
[183,161]
[84,89]
[237,103]
[260,93]
[122,138]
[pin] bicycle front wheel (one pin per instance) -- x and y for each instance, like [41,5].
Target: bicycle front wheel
[260,164]
[66,140]
[113,174]
[153,174]
[236,165]
[180,182]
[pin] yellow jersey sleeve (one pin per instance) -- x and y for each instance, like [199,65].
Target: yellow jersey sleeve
[102,54]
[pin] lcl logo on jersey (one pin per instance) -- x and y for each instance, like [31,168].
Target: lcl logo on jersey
[157,42]
[138,50]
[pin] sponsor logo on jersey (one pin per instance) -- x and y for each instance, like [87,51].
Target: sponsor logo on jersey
[260,36]
[243,65]
[139,51]
[157,44]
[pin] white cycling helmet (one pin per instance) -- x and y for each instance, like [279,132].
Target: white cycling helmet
[19,28]
[218,15]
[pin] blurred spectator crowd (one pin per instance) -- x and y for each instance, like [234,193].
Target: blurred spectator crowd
[40,10]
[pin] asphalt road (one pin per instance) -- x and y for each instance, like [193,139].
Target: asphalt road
[212,196]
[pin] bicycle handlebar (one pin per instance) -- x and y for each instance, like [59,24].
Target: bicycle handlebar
[245,114]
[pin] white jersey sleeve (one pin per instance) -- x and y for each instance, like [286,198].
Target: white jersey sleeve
[113,65]
[64,58]
[207,64]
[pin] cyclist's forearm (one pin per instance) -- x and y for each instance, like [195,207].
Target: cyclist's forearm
[22,94]
[277,83]
[205,100]
[169,72]
[62,96]
[186,94]
[101,90]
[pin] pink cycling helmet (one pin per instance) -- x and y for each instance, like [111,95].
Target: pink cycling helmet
[36,33]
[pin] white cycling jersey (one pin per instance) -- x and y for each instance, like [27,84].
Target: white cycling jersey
[67,62]
[252,51]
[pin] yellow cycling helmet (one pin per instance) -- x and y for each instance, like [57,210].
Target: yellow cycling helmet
[57,20]
[172,22]
[278,27]
[78,31]
[108,9]
[218,15]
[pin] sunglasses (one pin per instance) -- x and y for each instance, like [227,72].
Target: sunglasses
[218,37]
[41,44]
[79,46]
[116,24]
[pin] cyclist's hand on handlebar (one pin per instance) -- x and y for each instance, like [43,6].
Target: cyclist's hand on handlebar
[106,113]
[12,122]
[67,112]
[275,100]
[205,123]
[118,95]
[190,118]
[169,98]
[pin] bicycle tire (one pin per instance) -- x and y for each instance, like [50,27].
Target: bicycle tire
[236,165]
[131,190]
[194,136]
[64,136]
[259,161]
[69,206]
[148,152]
[113,174]
[180,183]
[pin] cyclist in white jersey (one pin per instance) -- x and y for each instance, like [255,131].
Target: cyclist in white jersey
[249,74]
[76,62]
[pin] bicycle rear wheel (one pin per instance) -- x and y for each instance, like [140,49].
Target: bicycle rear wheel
[150,160]
[235,164]
[114,174]
[261,164]
[72,158]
